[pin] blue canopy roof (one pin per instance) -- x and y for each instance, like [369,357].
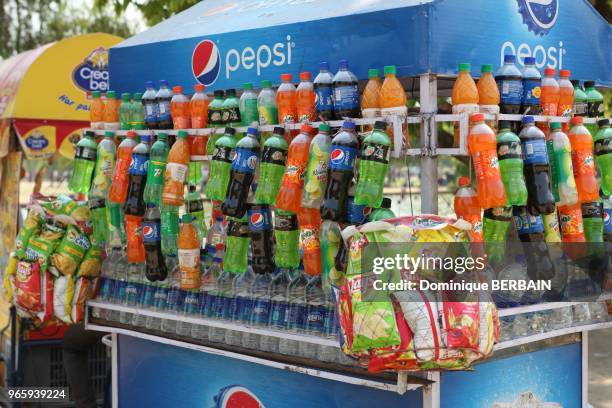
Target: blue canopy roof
[224,43]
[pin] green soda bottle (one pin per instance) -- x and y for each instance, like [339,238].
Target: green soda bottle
[511,165]
[495,224]
[287,238]
[105,164]
[84,163]
[266,104]
[215,110]
[237,246]
[329,237]
[97,208]
[592,219]
[272,167]
[373,167]
[169,229]
[231,109]
[316,171]
[116,226]
[248,105]
[137,112]
[595,105]
[221,165]
[603,152]
[195,206]
[157,170]
[580,99]
[384,212]
[125,111]
[559,151]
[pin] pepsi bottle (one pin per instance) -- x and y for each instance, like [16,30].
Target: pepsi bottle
[151,232]
[510,83]
[260,232]
[324,91]
[137,179]
[241,175]
[530,229]
[340,173]
[163,97]
[346,92]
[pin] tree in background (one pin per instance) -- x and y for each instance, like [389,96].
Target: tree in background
[27,24]
[154,11]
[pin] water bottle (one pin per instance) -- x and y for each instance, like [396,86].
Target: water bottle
[330,332]
[160,296]
[84,163]
[133,290]
[215,241]
[108,275]
[146,302]
[174,299]
[315,316]
[295,315]
[120,286]
[208,285]
[278,308]
[221,305]
[191,307]
[241,305]
[260,312]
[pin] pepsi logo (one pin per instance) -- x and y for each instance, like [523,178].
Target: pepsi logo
[148,231]
[607,218]
[337,156]
[236,396]
[252,162]
[539,15]
[206,62]
[257,219]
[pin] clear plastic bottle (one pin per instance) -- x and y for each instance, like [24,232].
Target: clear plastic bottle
[315,316]
[174,300]
[260,311]
[120,286]
[208,286]
[191,307]
[108,276]
[330,332]
[135,275]
[146,302]
[241,306]
[278,308]
[161,294]
[295,315]
[215,241]
[221,307]
[266,104]
[248,105]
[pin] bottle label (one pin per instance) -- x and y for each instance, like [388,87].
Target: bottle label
[260,219]
[231,115]
[342,158]
[157,170]
[245,160]
[531,92]
[330,326]
[139,165]
[169,223]
[261,311]
[511,91]
[375,152]
[160,298]
[486,164]
[251,114]
[534,152]
[571,221]
[85,153]
[551,227]
[240,308]
[603,146]
[356,213]
[346,97]
[215,117]
[324,98]
[120,287]
[527,223]
[104,172]
[268,115]
[595,109]
[194,206]
[370,113]
[174,299]
[278,314]
[315,318]
[509,150]
[223,154]
[309,238]
[176,172]
[188,258]
[148,296]
[607,217]
[164,110]
[107,288]
[285,222]
[191,302]
[584,164]
[151,231]
[296,315]
[274,155]
[133,293]
[150,112]
[294,173]
[238,228]
[580,108]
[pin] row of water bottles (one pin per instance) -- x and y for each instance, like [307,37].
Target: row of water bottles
[287,300]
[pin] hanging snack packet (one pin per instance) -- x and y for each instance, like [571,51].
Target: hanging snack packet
[92,262]
[28,287]
[84,289]
[70,251]
[9,277]
[31,226]
[39,250]
[63,291]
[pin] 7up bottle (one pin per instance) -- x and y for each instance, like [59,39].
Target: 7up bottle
[157,170]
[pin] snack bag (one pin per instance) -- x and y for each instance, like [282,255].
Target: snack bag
[70,251]
[81,214]
[84,289]
[397,358]
[32,224]
[39,250]
[53,230]
[63,291]
[28,287]
[461,322]
[9,277]
[92,262]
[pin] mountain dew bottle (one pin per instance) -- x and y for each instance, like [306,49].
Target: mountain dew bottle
[84,164]
[373,167]
[603,153]
[157,170]
[236,258]
[495,224]
[511,165]
[287,238]
[272,167]
[221,165]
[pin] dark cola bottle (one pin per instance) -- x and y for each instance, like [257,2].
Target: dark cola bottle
[262,241]
[151,232]
[135,205]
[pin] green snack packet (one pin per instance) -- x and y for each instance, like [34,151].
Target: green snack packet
[62,205]
[30,227]
[71,251]
[92,262]
[40,249]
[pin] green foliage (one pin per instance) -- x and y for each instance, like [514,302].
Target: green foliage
[154,11]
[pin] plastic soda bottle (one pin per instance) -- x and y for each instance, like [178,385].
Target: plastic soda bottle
[305,99]
[580,99]
[595,105]
[197,155]
[329,237]
[464,96]
[189,254]
[96,111]
[231,109]
[198,107]
[97,208]
[134,204]
[151,231]
[488,93]
[272,167]
[560,157]
[179,109]
[603,154]
[137,115]
[467,207]
[572,226]
[370,98]
[290,194]
[583,161]
[125,111]
[566,94]
[105,164]
[111,111]
[495,224]
[115,224]
[511,165]
[237,246]
[176,171]
[262,240]
[510,83]
[373,167]
[532,88]
[157,170]
[607,217]
[215,111]
[592,218]
[393,97]
[84,163]
[135,243]
[163,97]
[248,105]
[309,221]
[195,207]
[316,170]
[169,229]
[552,234]
[324,92]
[266,104]
[149,100]
[549,98]
[118,189]
[221,165]
[346,92]
[482,145]
[287,239]
[383,212]
[286,100]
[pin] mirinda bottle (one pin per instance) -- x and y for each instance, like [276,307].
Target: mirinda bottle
[198,108]
[286,100]
[290,194]
[464,96]
[305,99]
[309,221]
[482,145]
[370,98]
[566,96]
[96,111]
[488,94]
[393,99]
[549,97]
[188,254]
[179,109]
[111,111]
[119,187]
[572,230]
[467,208]
[583,162]
[176,171]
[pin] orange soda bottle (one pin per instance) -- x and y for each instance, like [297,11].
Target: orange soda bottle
[188,244]
[198,107]
[286,100]
[488,94]
[305,99]
[290,194]
[111,111]
[179,109]
[566,96]
[393,100]
[118,190]
[96,111]
[482,145]
[572,230]
[549,97]
[583,161]
[464,96]
[309,221]
[135,243]
[176,171]
[370,98]
[467,208]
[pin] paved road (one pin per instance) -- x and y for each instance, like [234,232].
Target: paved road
[600,368]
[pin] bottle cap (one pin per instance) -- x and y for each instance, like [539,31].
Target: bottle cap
[380,125]
[373,73]
[390,70]
[564,73]
[504,124]
[577,120]
[527,119]
[347,124]
[109,135]
[463,181]
[247,85]
[150,205]
[230,93]
[146,138]
[252,131]
[486,68]
[386,203]
[305,76]
[603,122]
[137,96]
[192,188]
[286,77]
[126,96]
[266,83]
[343,64]
[162,136]
[324,66]
[555,125]
[509,59]
[131,134]
[90,134]
[549,72]
[181,134]
[111,95]
[279,130]
[199,87]
[219,93]
[589,84]
[186,218]
[305,128]
[324,127]
[530,60]
[149,84]
[163,82]
[465,67]
[230,131]
[575,82]
[95,94]
[477,117]
[177,89]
